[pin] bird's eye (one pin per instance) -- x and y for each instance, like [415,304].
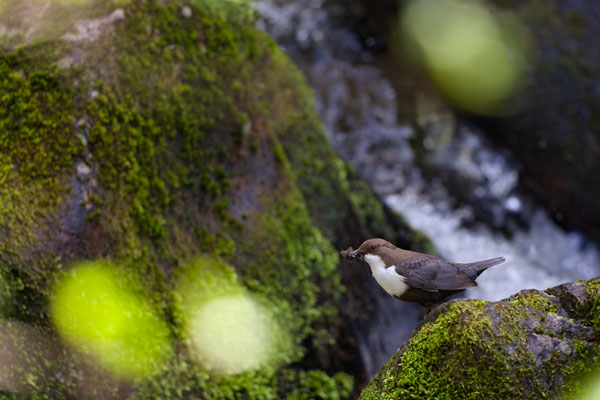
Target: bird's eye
[373,247]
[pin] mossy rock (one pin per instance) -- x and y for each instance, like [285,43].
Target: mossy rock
[535,344]
[155,133]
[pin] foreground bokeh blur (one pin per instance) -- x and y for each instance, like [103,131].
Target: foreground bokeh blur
[470,56]
[94,311]
[592,390]
[231,334]
[229,331]
[156,132]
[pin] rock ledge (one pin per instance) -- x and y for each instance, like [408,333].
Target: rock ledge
[534,344]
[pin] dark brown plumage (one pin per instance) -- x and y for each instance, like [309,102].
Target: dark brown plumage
[415,277]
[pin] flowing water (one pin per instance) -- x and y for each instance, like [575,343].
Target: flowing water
[441,174]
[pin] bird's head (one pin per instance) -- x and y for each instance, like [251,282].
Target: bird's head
[371,246]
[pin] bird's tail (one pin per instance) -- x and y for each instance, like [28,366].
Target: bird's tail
[473,270]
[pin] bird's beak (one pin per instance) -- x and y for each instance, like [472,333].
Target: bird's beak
[356,254]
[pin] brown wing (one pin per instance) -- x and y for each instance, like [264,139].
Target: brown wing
[433,274]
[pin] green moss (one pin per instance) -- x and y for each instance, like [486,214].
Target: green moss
[365,205]
[137,127]
[477,350]
[207,278]
[163,108]
[218,244]
[293,265]
[334,193]
[37,139]
[593,292]
[584,371]
[36,133]
[316,167]
[205,56]
[38,146]
[429,371]
[317,385]
[182,380]
[537,300]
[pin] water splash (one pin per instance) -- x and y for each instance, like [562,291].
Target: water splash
[542,257]
[359,108]
[444,176]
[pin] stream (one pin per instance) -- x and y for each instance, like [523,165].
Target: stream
[439,172]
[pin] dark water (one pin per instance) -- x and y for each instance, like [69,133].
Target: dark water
[441,174]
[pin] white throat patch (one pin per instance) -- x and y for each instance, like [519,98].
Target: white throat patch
[393,283]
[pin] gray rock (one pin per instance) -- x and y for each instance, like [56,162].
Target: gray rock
[534,344]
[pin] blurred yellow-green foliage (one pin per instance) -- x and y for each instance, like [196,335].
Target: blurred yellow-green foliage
[95,311]
[470,55]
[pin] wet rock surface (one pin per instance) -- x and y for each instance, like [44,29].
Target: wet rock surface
[168,132]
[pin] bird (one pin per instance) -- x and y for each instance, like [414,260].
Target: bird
[415,277]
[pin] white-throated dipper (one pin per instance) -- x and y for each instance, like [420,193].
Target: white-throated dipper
[415,277]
